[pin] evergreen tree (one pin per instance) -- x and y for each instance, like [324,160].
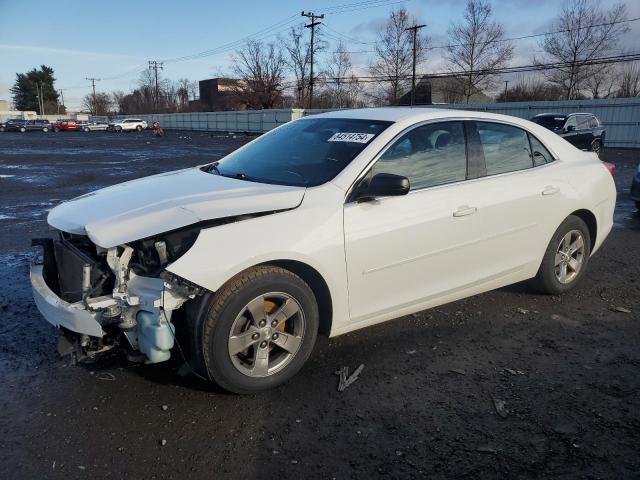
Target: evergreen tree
[25,90]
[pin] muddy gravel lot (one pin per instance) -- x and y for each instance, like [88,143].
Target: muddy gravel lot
[509,384]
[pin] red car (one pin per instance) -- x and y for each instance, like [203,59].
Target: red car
[66,126]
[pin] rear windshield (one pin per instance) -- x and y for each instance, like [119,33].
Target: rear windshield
[307,152]
[552,122]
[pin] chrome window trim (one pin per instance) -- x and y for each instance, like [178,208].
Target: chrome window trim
[377,156]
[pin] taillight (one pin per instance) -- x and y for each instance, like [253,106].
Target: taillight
[611,167]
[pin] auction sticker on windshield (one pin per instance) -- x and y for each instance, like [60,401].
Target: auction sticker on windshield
[351,137]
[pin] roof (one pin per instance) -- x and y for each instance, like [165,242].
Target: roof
[413,114]
[390,114]
[562,114]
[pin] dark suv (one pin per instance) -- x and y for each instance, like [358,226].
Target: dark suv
[12,124]
[583,130]
[28,126]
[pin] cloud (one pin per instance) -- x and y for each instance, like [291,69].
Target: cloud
[60,51]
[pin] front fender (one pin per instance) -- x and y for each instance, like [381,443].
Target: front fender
[311,234]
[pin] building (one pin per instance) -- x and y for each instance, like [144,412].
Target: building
[5,106]
[219,94]
[442,90]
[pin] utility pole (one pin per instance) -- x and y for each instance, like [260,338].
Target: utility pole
[93,84]
[506,84]
[312,26]
[414,29]
[62,101]
[155,65]
[39,97]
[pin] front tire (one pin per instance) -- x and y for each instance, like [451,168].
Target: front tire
[596,147]
[118,129]
[22,129]
[259,331]
[139,128]
[45,129]
[566,257]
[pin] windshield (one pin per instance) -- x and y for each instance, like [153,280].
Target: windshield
[305,153]
[552,122]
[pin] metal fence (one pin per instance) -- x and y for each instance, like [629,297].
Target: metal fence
[252,121]
[621,117]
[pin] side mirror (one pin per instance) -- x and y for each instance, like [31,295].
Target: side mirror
[569,128]
[384,185]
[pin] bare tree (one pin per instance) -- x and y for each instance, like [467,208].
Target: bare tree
[584,32]
[260,69]
[341,86]
[600,81]
[629,80]
[100,104]
[527,87]
[477,48]
[394,55]
[298,61]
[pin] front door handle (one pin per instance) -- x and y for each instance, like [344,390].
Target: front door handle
[464,211]
[549,190]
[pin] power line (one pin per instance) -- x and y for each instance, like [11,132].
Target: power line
[353,7]
[261,34]
[523,37]
[629,57]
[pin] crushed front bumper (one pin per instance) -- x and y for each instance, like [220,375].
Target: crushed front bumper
[73,316]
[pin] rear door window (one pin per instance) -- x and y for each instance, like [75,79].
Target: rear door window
[505,148]
[584,121]
[571,122]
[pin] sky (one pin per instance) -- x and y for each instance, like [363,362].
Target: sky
[114,41]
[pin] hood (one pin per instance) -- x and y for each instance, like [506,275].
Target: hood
[141,208]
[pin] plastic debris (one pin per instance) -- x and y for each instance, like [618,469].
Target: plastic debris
[501,407]
[619,309]
[106,376]
[345,379]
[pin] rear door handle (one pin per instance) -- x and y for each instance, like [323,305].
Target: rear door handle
[549,190]
[464,211]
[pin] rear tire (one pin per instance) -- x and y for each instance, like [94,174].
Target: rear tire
[118,129]
[45,129]
[56,130]
[574,234]
[85,129]
[241,340]
[22,129]
[139,128]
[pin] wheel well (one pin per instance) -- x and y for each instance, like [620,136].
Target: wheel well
[317,284]
[590,219]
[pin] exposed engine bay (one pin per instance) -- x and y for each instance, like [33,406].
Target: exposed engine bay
[116,297]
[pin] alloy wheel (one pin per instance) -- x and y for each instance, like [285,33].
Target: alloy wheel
[596,147]
[569,256]
[266,335]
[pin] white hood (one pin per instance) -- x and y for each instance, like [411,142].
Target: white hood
[141,208]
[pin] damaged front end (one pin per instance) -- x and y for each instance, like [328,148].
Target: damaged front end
[116,297]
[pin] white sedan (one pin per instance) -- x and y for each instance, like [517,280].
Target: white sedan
[327,224]
[127,124]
